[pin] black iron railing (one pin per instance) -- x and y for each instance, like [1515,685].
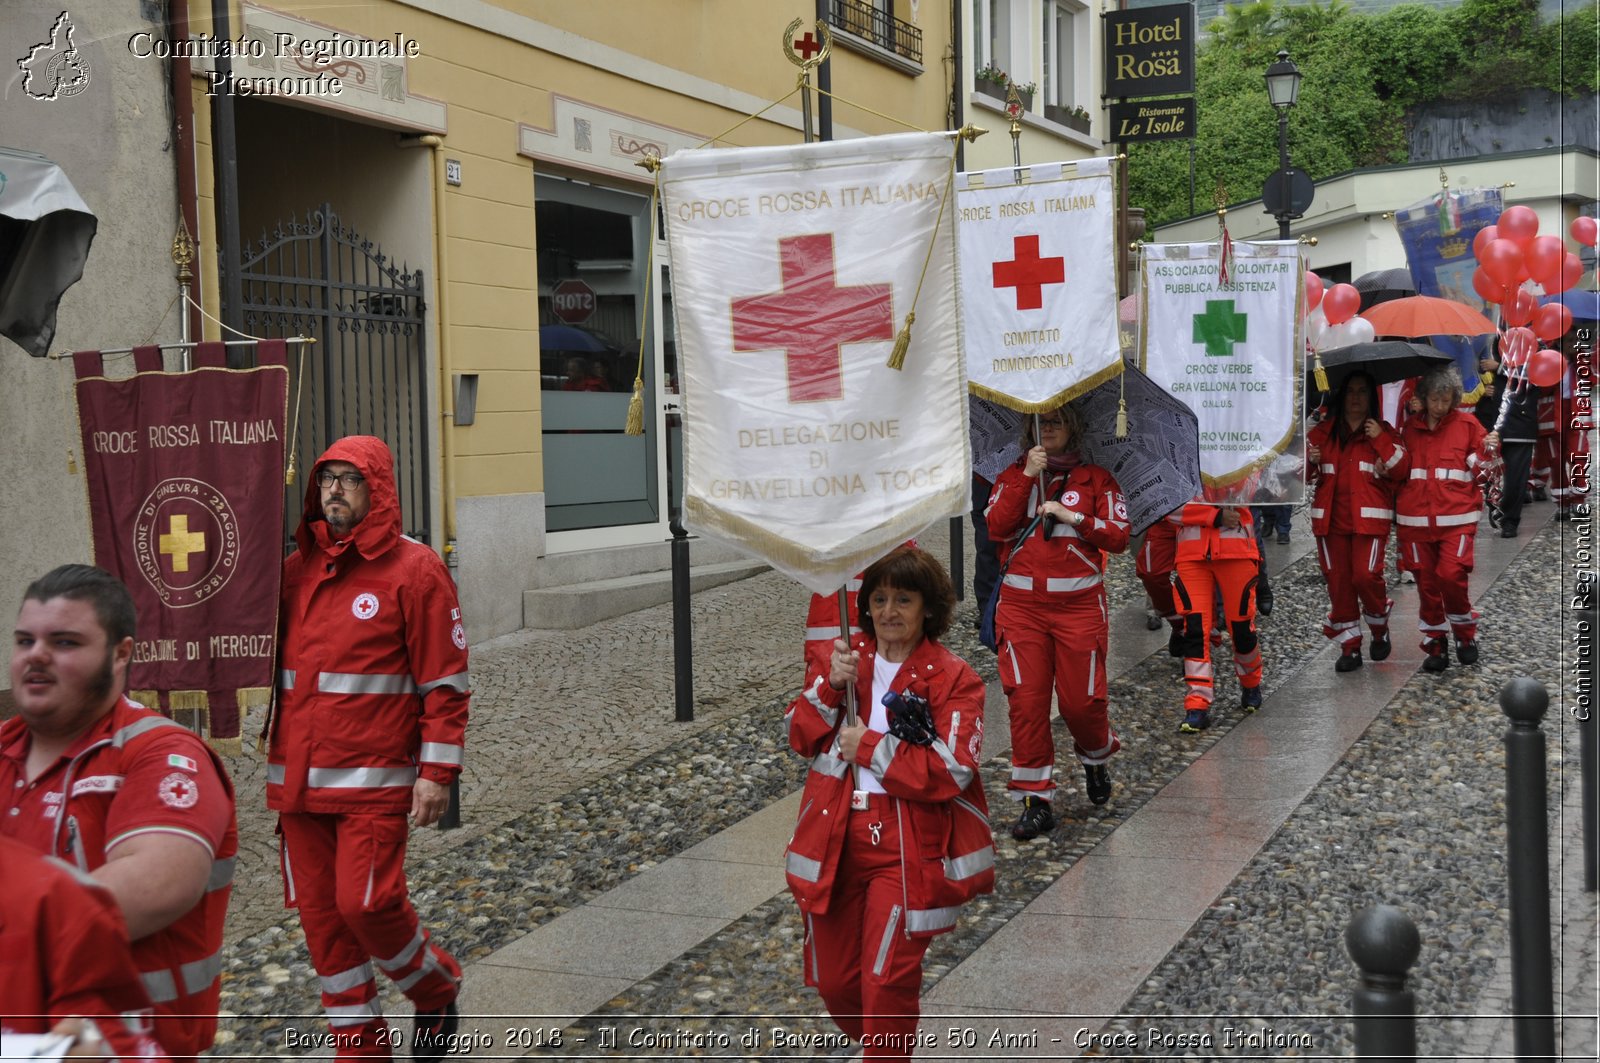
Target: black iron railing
[868,22]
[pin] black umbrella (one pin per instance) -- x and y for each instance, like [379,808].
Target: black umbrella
[1382,285]
[1384,360]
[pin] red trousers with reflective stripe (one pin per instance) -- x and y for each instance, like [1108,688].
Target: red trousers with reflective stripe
[857,955]
[1053,642]
[1443,567]
[1154,565]
[1232,576]
[346,874]
[1353,567]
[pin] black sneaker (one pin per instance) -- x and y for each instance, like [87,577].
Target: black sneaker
[1195,721]
[1097,781]
[1283,538]
[1381,647]
[1437,661]
[1036,819]
[1152,620]
[433,1033]
[1348,662]
[1467,652]
[1250,698]
[1507,532]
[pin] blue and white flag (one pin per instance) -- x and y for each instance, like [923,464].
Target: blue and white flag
[1437,235]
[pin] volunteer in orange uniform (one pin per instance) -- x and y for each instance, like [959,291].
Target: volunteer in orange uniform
[1355,461]
[1437,514]
[1216,544]
[893,834]
[371,720]
[1052,621]
[121,792]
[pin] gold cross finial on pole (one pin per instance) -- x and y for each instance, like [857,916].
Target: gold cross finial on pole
[815,51]
[1219,198]
[183,252]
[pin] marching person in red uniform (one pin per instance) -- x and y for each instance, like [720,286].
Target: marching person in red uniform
[822,624]
[371,721]
[1217,553]
[1354,460]
[1153,564]
[1437,513]
[121,792]
[1052,621]
[66,957]
[903,779]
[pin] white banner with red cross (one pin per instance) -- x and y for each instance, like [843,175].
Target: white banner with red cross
[793,271]
[1038,262]
[1230,352]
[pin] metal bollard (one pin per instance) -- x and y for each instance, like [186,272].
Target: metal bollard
[1586,624]
[1384,943]
[682,629]
[1524,701]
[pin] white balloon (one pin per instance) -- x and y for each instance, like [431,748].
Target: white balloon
[1336,336]
[1316,327]
[1361,329]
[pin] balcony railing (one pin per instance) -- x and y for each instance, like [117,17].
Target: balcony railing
[879,27]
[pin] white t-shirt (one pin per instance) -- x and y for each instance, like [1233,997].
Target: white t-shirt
[883,673]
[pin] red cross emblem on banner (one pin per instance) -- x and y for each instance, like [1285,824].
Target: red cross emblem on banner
[812,317]
[1028,273]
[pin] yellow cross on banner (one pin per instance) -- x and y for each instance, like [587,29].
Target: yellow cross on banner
[180,542]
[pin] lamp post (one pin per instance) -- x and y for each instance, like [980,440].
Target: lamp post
[1283,89]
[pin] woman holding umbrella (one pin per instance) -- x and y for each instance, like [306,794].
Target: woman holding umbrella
[1054,517]
[1437,514]
[1354,460]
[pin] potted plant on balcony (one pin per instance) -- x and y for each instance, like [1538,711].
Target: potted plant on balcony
[1071,117]
[992,81]
[1025,91]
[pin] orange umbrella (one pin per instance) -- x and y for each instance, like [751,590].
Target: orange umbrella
[1427,315]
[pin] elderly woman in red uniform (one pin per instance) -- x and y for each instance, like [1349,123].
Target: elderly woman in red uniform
[1354,460]
[1217,554]
[893,835]
[1437,514]
[1052,622]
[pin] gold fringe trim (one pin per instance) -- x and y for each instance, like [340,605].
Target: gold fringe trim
[192,708]
[1055,402]
[150,699]
[226,747]
[635,422]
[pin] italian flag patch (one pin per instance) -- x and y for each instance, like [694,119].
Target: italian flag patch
[175,760]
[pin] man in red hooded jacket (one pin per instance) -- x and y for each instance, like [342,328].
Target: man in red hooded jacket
[371,719]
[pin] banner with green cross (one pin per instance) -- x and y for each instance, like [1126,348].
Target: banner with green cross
[1231,353]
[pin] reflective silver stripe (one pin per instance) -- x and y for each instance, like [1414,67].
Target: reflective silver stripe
[1064,531]
[1367,466]
[359,778]
[1442,474]
[441,753]
[1448,520]
[139,727]
[1460,618]
[1377,514]
[828,713]
[883,755]
[429,966]
[888,940]
[1411,522]
[816,634]
[353,1014]
[1188,532]
[357,683]
[345,981]
[1328,469]
[199,974]
[457,682]
[221,873]
[802,867]
[275,774]
[404,956]
[1394,459]
[923,920]
[1317,514]
[1196,669]
[160,986]
[958,771]
[958,868]
[1031,774]
[286,679]
[825,763]
[1022,583]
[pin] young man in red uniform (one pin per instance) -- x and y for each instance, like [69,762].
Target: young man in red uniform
[1216,545]
[121,792]
[371,718]
[66,957]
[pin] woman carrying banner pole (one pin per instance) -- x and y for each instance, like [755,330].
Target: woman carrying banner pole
[1052,621]
[1354,461]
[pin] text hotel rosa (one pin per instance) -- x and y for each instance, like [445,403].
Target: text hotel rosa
[179,435]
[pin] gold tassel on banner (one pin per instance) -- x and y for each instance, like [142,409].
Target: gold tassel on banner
[1122,418]
[72,463]
[635,424]
[902,344]
[1319,374]
[197,704]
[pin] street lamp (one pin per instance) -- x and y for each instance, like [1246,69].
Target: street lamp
[1283,89]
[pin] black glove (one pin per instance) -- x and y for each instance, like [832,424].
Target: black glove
[910,718]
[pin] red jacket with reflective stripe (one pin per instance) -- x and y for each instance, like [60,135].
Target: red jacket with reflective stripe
[936,790]
[1200,539]
[1440,493]
[373,686]
[1073,558]
[1368,469]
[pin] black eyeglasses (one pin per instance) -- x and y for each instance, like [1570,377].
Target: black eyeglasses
[350,480]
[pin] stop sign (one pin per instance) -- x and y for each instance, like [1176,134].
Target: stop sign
[573,302]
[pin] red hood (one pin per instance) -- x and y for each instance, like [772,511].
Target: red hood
[379,531]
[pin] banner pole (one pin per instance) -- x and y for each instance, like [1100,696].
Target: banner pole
[850,689]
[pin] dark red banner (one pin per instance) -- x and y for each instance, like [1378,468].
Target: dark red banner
[185,481]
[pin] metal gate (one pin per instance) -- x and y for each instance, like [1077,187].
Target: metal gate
[366,374]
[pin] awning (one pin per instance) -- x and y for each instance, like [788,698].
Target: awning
[45,233]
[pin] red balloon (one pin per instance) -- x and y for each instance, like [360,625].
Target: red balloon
[1340,303]
[1313,291]
[1584,230]
[1544,258]
[1491,290]
[1516,345]
[1519,225]
[1546,368]
[1486,235]
[1552,322]
[1571,273]
[1519,308]
[1502,261]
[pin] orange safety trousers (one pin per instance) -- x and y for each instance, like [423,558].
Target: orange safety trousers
[1235,578]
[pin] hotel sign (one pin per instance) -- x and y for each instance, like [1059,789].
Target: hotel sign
[1164,119]
[1150,51]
